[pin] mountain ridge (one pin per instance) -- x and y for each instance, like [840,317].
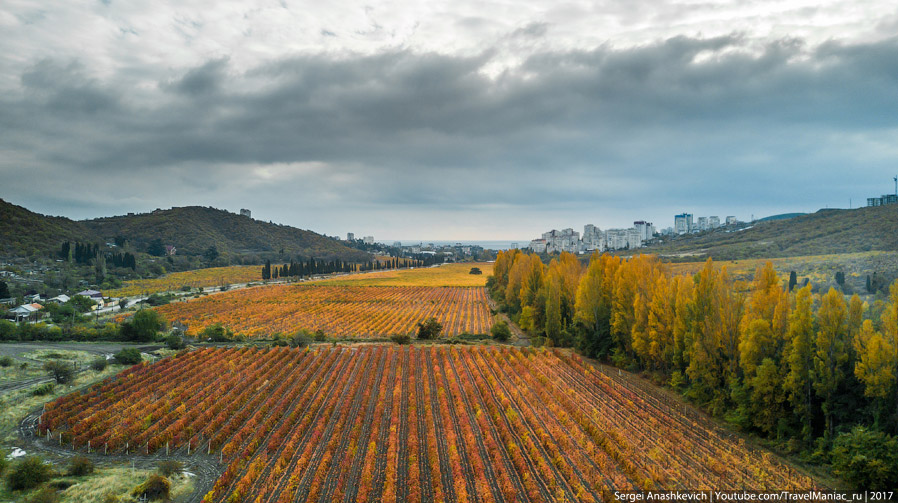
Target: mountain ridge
[191,229]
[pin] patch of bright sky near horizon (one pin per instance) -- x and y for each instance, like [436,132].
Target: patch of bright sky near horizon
[132,53]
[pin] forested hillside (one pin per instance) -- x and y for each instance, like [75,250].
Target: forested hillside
[191,230]
[24,233]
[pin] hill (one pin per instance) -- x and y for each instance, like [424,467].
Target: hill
[782,216]
[827,231]
[24,233]
[192,230]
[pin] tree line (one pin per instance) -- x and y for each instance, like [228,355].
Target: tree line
[90,253]
[794,367]
[313,267]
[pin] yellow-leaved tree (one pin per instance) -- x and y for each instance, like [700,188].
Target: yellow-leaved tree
[800,358]
[830,352]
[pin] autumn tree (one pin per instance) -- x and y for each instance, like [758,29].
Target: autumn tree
[715,355]
[830,352]
[874,367]
[799,380]
[593,305]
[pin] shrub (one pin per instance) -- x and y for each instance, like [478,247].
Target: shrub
[128,356]
[3,462]
[43,389]
[28,473]
[99,364]
[500,331]
[299,340]
[5,361]
[80,466]
[45,495]
[143,326]
[429,329]
[168,468]
[866,459]
[156,487]
[319,336]
[216,332]
[175,342]
[400,339]
[61,371]
[475,270]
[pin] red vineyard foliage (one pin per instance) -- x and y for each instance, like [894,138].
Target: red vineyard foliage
[386,423]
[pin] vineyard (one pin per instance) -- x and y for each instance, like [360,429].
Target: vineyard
[200,278]
[340,311]
[387,423]
[444,275]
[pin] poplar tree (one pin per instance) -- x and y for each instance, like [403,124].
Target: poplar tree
[830,352]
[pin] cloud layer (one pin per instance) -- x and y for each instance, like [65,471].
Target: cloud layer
[402,138]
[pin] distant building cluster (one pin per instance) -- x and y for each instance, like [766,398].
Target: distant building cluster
[593,239]
[684,223]
[883,200]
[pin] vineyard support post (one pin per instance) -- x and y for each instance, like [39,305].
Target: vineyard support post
[88,446]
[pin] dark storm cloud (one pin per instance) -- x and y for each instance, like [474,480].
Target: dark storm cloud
[605,122]
[201,81]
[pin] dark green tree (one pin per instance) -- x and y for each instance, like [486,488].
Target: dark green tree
[62,371]
[143,326]
[217,332]
[500,331]
[128,356]
[4,290]
[28,473]
[156,248]
[793,280]
[866,459]
[429,329]
[211,254]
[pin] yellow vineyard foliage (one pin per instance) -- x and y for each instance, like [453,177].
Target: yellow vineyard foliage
[198,278]
[341,311]
[446,275]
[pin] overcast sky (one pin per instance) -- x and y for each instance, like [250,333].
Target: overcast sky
[452,119]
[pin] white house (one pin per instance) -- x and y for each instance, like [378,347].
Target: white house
[60,299]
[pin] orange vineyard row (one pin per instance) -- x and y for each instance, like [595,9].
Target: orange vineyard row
[381,423]
[340,311]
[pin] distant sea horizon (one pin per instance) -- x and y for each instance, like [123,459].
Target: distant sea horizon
[492,245]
